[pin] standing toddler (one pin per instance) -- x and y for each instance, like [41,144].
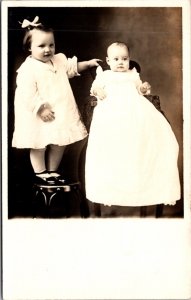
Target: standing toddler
[46,114]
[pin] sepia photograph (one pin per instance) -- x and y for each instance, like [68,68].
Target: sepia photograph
[96,150]
[118,154]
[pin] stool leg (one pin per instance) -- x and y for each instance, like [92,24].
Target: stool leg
[59,203]
[34,203]
[67,198]
[39,203]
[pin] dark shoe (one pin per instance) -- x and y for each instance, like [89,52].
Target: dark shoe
[45,181]
[51,180]
[57,178]
[60,180]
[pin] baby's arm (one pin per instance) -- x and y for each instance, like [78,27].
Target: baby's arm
[97,88]
[98,92]
[145,88]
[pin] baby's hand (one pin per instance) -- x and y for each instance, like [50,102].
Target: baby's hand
[145,88]
[93,62]
[99,92]
[45,113]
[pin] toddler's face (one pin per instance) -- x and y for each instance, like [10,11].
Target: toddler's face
[42,45]
[118,59]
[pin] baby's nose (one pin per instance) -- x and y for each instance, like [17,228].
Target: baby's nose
[47,49]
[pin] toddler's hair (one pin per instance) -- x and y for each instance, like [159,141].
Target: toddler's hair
[118,43]
[29,32]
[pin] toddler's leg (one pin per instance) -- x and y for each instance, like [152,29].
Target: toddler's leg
[54,157]
[37,157]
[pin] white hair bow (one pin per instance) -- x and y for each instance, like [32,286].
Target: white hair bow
[27,23]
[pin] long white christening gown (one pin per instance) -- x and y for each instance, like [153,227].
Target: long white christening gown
[132,152]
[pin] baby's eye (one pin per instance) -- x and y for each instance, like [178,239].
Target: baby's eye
[51,45]
[42,46]
[116,59]
[125,58]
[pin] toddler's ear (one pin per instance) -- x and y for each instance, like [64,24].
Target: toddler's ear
[99,70]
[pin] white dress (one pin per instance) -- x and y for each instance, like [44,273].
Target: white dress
[39,83]
[132,152]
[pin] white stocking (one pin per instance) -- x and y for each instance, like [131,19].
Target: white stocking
[37,157]
[54,157]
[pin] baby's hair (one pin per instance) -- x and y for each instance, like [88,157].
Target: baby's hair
[118,43]
[29,32]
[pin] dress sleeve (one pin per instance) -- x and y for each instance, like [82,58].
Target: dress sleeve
[26,94]
[137,80]
[99,80]
[70,65]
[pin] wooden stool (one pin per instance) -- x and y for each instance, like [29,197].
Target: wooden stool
[65,192]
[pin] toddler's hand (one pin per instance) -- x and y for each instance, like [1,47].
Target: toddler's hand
[45,113]
[145,88]
[93,62]
[99,92]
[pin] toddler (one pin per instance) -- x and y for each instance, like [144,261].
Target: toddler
[46,114]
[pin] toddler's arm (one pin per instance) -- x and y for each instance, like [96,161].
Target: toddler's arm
[26,93]
[83,65]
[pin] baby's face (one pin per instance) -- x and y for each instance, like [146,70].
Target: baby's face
[42,45]
[118,58]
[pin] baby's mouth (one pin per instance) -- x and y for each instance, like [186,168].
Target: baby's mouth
[47,55]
